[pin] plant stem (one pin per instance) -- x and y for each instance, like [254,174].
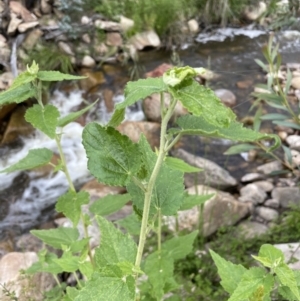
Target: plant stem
[159,231]
[152,180]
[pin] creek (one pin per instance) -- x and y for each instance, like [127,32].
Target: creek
[27,199]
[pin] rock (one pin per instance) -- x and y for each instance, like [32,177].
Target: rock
[134,129]
[264,185]
[6,79]
[245,84]
[114,39]
[86,38]
[291,253]
[25,287]
[126,24]
[293,66]
[13,24]
[145,39]
[296,82]
[107,25]
[88,62]
[159,70]
[108,95]
[29,243]
[252,193]
[226,96]
[85,20]
[282,135]
[25,26]
[269,167]
[93,79]
[293,141]
[254,12]
[193,26]
[295,158]
[249,177]
[221,210]
[66,48]
[213,175]
[17,8]
[5,55]
[248,229]
[32,38]
[46,7]
[286,196]
[267,214]
[272,203]
[100,50]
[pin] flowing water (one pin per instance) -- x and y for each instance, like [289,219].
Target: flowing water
[27,198]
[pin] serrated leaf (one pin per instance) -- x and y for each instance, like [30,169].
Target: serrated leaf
[57,238]
[195,125]
[252,280]
[45,119]
[180,246]
[110,155]
[230,273]
[23,79]
[35,158]
[86,268]
[117,117]
[200,100]
[191,201]
[180,165]
[18,94]
[115,246]
[68,263]
[286,291]
[74,115]
[131,224]
[55,76]
[273,254]
[72,292]
[168,189]
[264,260]
[134,91]
[79,245]
[109,204]
[159,268]
[110,284]
[239,148]
[274,116]
[70,205]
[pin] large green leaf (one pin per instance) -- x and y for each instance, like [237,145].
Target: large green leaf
[109,204]
[196,125]
[134,91]
[112,157]
[115,246]
[200,100]
[178,164]
[110,284]
[230,273]
[168,192]
[45,119]
[57,238]
[35,158]
[55,76]
[18,94]
[286,292]
[70,204]
[117,117]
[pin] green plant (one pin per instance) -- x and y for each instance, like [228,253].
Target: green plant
[153,180]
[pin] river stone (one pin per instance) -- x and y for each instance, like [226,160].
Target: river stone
[17,8]
[13,24]
[213,175]
[293,141]
[249,177]
[221,210]
[252,13]
[291,253]
[268,214]
[252,193]
[270,167]
[88,61]
[296,82]
[264,185]
[286,196]
[273,203]
[25,287]
[26,26]
[93,79]
[145,39]
[226,96]
[250,229]
[295,158]
[85,20]
[125,23]
[107,25]
[32,38]
[66,48]
[46,7]
[114,39]
[193,26]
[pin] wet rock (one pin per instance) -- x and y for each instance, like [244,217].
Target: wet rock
[272,203]
[268,214]
[17,8]
[296,82]
[25,287]
[250,177]
[293,141]
[113,39]
[221,210]
[66,48]
[32,38]
[265,185]
[145,39]
[213,175]
[88,62]
[13,24]
[26,26]
[159,70]
[245,84]
[93,79]
[254,12]
[291,253]
[134,130]
[287,196]
[126,24]
[252,193]
[269,167]
[108,95]
[249,229]
[193,26]
[226,96]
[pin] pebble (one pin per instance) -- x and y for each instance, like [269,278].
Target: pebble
[269,167]
[250,177]
[268,214]
[252,193]
[273,203]
[293,141]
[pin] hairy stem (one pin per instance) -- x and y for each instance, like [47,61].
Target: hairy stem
[159,231]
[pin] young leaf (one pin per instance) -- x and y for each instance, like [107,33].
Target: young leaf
[240,148]
[134,91]
[18,94]
[55,76]
[70,204]
[110,155]
[23,79]
[180,246]
[74,115]
[200,100]
[35,158]
[230,273]
[115,246]
[272,253]
[117,117]
[286,292]
[68,262]
[191,201]
[252,280]
[110,284]
[57,238]
[109,204]
[45,119]
[180,165]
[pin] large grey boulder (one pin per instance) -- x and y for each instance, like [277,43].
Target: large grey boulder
[286,196]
